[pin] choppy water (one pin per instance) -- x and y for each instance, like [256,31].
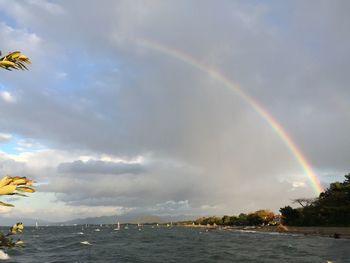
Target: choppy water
[63,244]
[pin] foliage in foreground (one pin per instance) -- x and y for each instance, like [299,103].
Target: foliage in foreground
[14,185]
[331,208]
[14,60]
[5,241]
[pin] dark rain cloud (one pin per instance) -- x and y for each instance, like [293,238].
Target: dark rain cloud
[101,167]
[92,88]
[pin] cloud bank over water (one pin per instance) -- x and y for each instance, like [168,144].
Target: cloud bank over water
[103,122]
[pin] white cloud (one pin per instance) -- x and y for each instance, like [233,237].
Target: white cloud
[18,39]
[298,184]
[53,8]
[5,137]
[58,212]
[172,206]
[29,145]
[100,167]
[61,75]
[25,143]
[7,97]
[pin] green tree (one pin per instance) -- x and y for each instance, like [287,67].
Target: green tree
[290,216]
[242,220]
[225,220]
[233,220]
[331,208]
[254,220]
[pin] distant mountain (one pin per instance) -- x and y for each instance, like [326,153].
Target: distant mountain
[131,218]
[4,221]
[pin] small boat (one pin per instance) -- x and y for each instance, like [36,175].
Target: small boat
[36,225]
[97,230]
[118,227]
[126,227]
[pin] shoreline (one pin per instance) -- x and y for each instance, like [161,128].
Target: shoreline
[333,232]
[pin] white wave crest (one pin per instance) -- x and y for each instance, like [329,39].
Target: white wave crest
[3,255]
[86,243]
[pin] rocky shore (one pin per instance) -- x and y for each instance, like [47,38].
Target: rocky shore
[334,232]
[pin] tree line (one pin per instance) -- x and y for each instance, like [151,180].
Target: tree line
[260,217]
[330,208]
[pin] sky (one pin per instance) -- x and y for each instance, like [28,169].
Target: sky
[115,116]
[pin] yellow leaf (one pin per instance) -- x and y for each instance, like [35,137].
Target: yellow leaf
[19,242]
[24,59]
[13,55]
[16,193]
[17,177]
[5,180]
[6,204]
[7,189]
[14,60]
[16,227]
[29,182]
[19,181]
[7,64]
[25,189]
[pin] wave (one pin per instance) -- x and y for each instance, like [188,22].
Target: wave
[86,243]
[3,255]
[245,231]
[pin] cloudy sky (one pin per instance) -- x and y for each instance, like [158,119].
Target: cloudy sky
[109,119]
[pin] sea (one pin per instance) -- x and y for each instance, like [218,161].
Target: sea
[170,244]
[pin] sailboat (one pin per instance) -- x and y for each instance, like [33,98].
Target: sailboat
[36,225]
[118,227]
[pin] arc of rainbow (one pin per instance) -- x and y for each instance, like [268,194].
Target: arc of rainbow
[280,131]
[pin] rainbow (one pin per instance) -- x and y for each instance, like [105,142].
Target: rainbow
[279,130]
